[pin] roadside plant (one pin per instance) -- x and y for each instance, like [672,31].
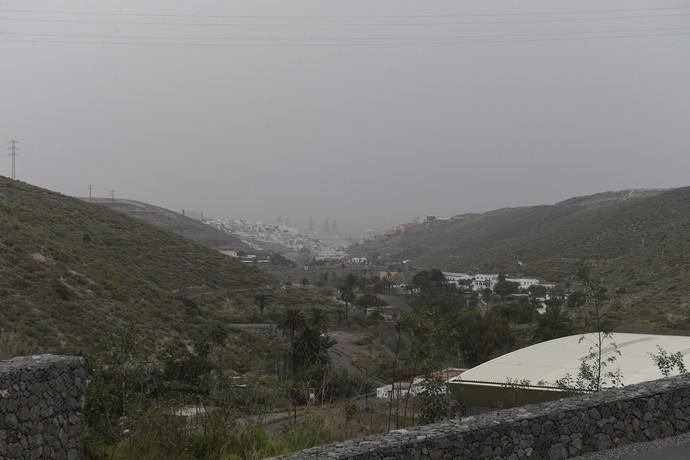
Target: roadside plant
[435,403]
[595,371]
[667,362]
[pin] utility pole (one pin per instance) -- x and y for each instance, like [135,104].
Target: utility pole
[13,153]
[112,196]
[90,192]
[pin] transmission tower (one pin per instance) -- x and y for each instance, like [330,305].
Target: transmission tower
[112,195]
[13,153]
[90,192]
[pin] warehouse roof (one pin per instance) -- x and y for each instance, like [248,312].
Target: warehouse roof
[544,363]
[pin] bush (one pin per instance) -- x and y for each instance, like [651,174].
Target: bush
[369,300]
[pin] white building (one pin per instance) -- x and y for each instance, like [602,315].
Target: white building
[457,279]
[482,281]
[416,386]
[530,374]
[525,283]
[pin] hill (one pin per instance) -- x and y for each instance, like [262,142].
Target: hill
[72,271]
[175,222]
[637,239]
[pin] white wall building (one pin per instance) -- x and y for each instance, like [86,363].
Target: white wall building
[456,278]
[525,283]
[482,281]
[416,386]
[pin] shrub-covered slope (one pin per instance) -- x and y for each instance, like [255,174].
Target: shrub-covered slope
[71,271]
[176,223]
[638,240]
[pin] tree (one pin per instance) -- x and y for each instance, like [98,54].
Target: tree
[552,324]
[290,324]
[348,297]
[479,337]
[349,282]
[538,291]
[595,295]
[311,349]
[318,319]
[429,281]
[666,361]
[261,300]
[505,288]
[369,300]
[593,373]
[576,299]
[434,400]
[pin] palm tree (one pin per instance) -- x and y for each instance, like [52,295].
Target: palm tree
[552,324]
[348,297]
[318,319]
[290,324]
[311,348]
[261,300]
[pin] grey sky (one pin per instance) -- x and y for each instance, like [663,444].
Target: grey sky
[370,134]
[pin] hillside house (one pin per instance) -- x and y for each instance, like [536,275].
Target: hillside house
[482,281]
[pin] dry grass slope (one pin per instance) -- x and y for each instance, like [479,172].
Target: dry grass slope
[176,223]
[71,271]
[638,240]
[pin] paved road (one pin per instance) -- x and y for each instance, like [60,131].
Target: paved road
[681,452]
[674,448]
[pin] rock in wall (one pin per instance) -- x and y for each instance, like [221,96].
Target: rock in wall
[554,430]
[42,407]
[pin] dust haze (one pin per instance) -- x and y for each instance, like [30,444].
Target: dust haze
[370,113]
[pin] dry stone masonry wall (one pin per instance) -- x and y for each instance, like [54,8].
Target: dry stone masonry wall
[554,430]
[41,407]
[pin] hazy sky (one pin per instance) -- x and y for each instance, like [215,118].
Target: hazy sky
[370,112]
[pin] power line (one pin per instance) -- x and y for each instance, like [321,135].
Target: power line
[343,38]
[339,24]
[334,44]
[367,16]
[13,153]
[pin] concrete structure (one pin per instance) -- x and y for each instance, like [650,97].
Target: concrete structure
[525,283]
[457,279]
[554,430]
[415,386]
[529,375]
[482,281]
[42,407]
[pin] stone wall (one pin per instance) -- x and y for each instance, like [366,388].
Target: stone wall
[553,430]
[41,407]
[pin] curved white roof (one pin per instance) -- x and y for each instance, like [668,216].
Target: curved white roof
[551,360]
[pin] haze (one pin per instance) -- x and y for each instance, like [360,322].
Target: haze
[496,109]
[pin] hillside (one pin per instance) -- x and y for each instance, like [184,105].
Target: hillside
[638,240]
[175,222]
[72,271]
